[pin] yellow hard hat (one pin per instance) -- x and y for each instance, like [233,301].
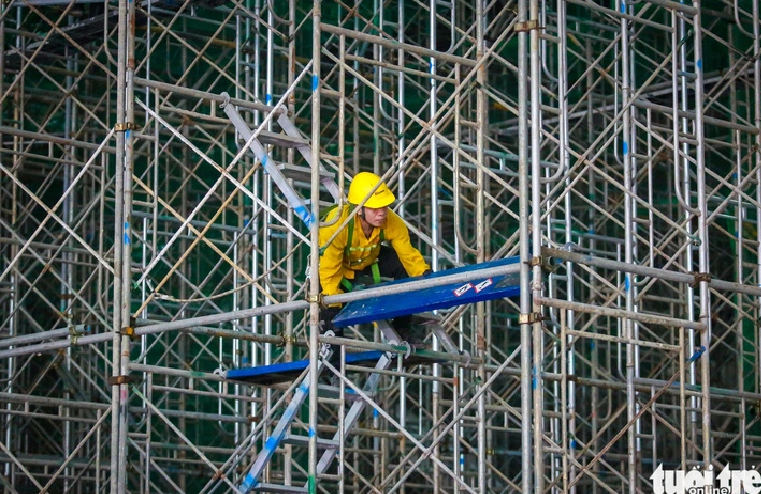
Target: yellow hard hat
[362,184]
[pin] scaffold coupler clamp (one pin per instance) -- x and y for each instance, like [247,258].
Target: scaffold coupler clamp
[407,349]
[700,278]
[129,330]
[285,340]
[326,350]
[118,380]
[225,100]
[74,334]
[529,318]
[527,25]
[316,299]
[547,263]
[124,126]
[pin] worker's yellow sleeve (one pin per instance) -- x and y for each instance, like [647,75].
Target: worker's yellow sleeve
[331,258]
[396,232]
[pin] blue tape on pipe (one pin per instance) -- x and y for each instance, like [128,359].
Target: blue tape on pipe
[311,432]
[268,99]
[271,444]
[303,213]
[248,483]
[697,354]
[626,147]
[315,82]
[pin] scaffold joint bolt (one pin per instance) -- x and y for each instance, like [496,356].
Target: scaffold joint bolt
[128,331]
[547,263]
[117,380]
[522,27]
[700,277]
[121,127]
[529,318]
[317,298]
[74,334]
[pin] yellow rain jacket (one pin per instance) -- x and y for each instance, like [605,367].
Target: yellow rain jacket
[338,262]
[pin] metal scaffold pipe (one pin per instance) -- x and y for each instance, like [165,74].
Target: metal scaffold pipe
[201,321]
[621,141]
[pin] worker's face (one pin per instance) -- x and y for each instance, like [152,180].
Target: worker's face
[376,216]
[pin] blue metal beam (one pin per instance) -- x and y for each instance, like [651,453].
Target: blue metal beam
[429,299]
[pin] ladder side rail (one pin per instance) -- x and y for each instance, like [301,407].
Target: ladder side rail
[371,385]
[278,434]
[306,152]
[270,165]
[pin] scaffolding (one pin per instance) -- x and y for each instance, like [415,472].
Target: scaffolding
[147,248]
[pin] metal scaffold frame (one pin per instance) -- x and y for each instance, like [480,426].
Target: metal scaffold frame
[163,169]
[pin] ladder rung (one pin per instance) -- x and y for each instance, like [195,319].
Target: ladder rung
[304,441]
[266,137]
[332,477]
[283,489]
[329,393]
[277,227]
[302,173]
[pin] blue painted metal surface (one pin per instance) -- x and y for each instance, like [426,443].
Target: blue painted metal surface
[440,297]
[276,373]
[287,371]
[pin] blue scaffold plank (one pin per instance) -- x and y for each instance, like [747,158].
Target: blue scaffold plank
[287,371]
[428,299]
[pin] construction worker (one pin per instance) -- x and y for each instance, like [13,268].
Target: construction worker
[375,244]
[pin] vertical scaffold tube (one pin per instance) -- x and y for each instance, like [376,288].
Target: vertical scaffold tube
[626,160]
[314,254]
[536,246]
[481,121]
[118,476]
[525,275]
[703,250]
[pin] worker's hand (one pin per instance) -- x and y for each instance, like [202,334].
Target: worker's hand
[427,273]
